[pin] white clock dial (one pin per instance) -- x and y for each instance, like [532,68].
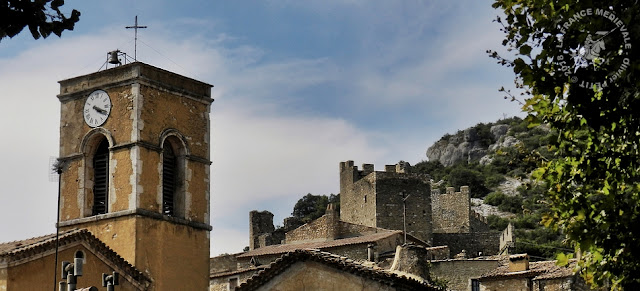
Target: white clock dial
[97,108]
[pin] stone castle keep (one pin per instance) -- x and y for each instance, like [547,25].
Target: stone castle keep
[374,199]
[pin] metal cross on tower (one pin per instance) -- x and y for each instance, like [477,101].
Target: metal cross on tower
[135,43]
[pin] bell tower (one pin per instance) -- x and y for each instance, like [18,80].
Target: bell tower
[135,142]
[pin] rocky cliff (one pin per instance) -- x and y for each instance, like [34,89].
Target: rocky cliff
[471,145]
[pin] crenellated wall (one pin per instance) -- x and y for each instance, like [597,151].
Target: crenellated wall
[451,211]
[375,199]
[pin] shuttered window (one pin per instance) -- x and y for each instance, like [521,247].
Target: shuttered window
[101,178]
[169,178]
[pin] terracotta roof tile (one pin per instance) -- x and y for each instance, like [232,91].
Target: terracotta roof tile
[537,271]
[342,263]
[285,248]
[234,272]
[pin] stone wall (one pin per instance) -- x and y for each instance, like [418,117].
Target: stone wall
[226,283]
[391,187]
[438,253]
[310,275]
[260,223]
[507,240]
[459,273]
[322,229]
[486,243]
[375,199]
[512,284]
[357,194]
[451,211]
[223,263]
[478,222]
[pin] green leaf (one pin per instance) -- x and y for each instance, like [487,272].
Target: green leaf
[525,50]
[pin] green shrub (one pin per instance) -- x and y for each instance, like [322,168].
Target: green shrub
[497,223]
[462,176]
[494,198]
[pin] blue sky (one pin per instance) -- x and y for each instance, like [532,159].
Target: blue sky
[299,87]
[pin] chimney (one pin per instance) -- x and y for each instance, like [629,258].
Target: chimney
[370,253]
[518,263]
[411,259]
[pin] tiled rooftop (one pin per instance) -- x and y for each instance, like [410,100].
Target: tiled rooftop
[285,248]
[17,250]
[338,262]
[537,271]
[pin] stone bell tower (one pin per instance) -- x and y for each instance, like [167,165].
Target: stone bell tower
[135,143]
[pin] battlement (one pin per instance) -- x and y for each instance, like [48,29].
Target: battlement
[452,211]
[349,173]
[375,198]
[402,167]
[463,190]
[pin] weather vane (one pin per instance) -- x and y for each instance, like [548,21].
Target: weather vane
[135,43]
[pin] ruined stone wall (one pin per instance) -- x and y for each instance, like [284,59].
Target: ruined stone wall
[478,222]
[459,273]
[473,243]
[357,194]
[321,229]
[507,240]
[260,222]
[452,211]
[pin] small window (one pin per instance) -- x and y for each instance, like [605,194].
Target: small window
[169,179]
[475,285]
[101,178]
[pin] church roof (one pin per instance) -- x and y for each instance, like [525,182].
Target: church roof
[337,262]
[34,247]
[285,248]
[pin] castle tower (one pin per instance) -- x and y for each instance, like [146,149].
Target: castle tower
[375,199]
[135,142]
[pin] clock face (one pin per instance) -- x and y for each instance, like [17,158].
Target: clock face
[97,108]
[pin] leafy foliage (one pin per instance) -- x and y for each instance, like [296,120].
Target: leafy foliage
[43,17]
[504,202]
[591,101]
[514,161]
[311,207]
[461,176]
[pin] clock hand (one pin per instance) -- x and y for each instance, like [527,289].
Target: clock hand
[100,110]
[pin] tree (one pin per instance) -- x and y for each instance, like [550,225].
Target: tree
[310,207]
[43,17]
[576,64]
[461,176]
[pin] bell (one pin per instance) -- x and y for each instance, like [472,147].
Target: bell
[113,58]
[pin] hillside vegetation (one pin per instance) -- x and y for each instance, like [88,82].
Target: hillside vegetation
[483,157]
